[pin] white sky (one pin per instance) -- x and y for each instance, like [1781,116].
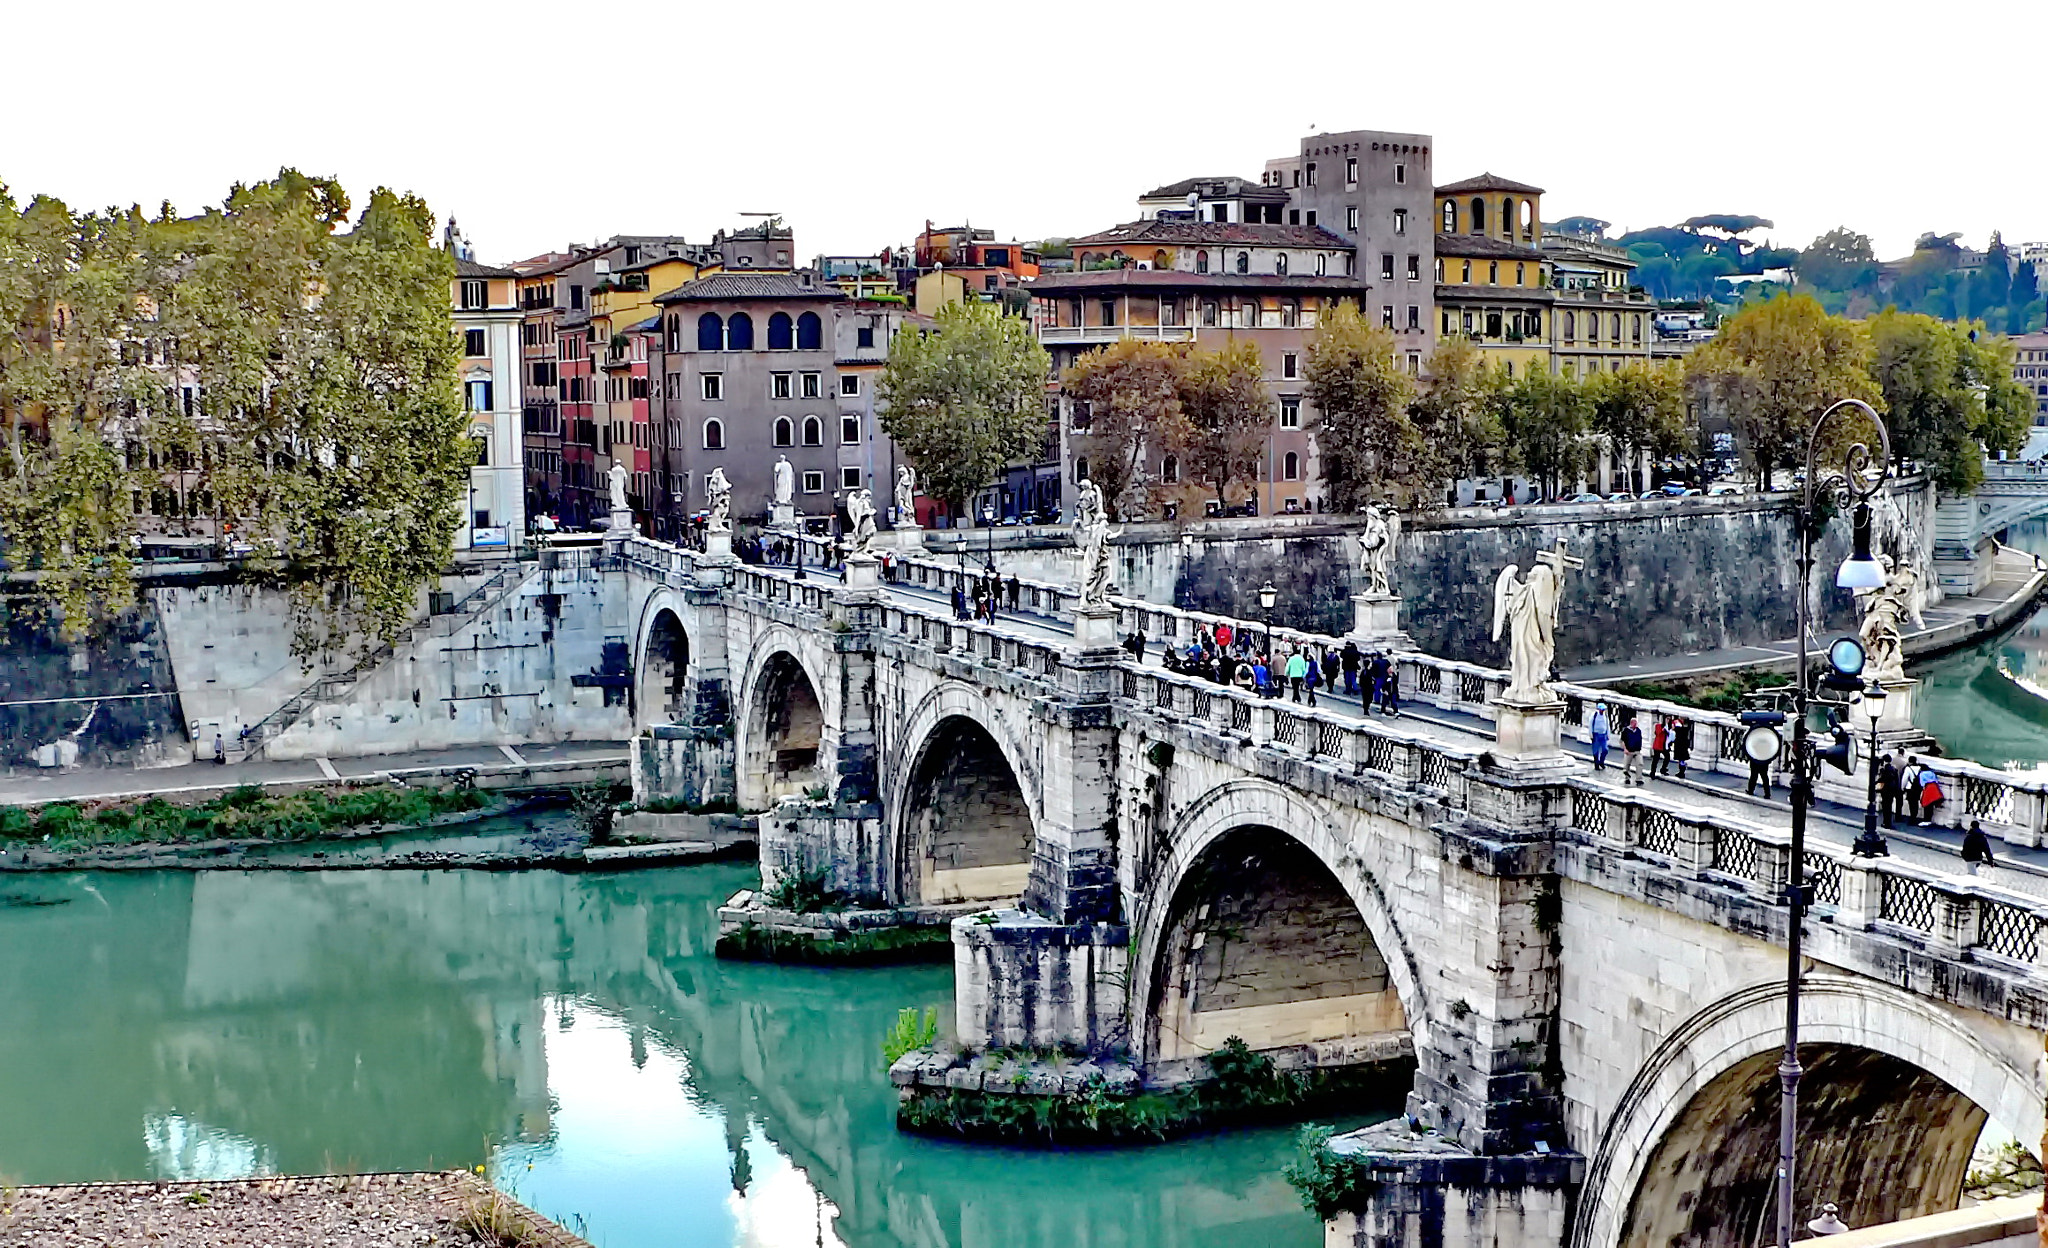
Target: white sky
[541,124]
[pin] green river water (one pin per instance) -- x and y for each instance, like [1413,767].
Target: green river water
[570,1031]
[1961,700]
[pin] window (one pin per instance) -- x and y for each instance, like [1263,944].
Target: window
[1614,327]
[1450,221]
[483,460]
[1351,171]
[813,387]
[1571,325]
[1528,216]
[1478,215]
[1290,313]
[849,429]
[1636,327]
[1244,262]
[714,385]
[779,386]
[785,433]
[1387,315]
[575,297]
[636,388]
[1439,268]
[710,332]
[1400,175]
[810,332]
[1447,323]
[1209,312]
[1311,173]
[475,294]
[849,476]
[1169,471]
[1219,212]
[473,343]
[1294,214]
[714,435]
[1311,220]
[1108,312]
[1493,324]
[1169,312]
[849,385]
[1322,264]
[1465,273]
[739,332]
[1507,216]
[476,396]
[1534,323]
[1291,467]
[1387,266]
[814,483]
[1414,268]
[675,386]
[1290,412]
[864,338]
[1414,316]
[1400,220]
[1080,469]
[1351,218]
[781,332]
[1201,262]
[1493,272]
[1280,264]
[814,431]
[1290,365]
[1518,273]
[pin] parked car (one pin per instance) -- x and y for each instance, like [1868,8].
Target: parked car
[1621,496]
[1585,498]
[1721,490]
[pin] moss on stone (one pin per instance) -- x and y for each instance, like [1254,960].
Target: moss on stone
[751,942]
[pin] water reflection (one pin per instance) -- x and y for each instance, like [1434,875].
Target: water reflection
[572,1031]
[1970,700]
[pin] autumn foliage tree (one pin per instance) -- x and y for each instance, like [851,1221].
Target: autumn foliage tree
[1228,417]
[1131,393]
[1370,446]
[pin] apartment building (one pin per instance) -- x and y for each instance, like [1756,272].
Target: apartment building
[485,308]
[1373,189]
[2030,369]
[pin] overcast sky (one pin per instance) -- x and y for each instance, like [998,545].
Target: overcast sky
[541,124]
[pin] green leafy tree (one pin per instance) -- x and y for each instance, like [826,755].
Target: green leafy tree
[966,400]
[1370,446]
[1546,419]
[1773,368]
[1948,399]
[2025,299]
[1991,286]
[1639,408]
[1229,416]
[1455,413]
[1839,260]
[1131,390]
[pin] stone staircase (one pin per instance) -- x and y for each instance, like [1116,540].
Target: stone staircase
[334,686]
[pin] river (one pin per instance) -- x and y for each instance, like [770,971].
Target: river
[1961,700]
[571,1032]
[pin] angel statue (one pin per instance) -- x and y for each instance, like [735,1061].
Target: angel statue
[1377,543]
[1091,534]
[719,491]
[860,510]
[1528,609]
[1884,610]
[906,497]
[616,478]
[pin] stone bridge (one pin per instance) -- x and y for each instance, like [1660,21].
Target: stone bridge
[1589,978]
[1965,527]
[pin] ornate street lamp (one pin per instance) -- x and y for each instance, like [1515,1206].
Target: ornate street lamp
[1852,487]
[1872,843]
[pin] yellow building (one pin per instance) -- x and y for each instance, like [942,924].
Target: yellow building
[1492,280]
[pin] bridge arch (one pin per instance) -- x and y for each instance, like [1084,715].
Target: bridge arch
[964,812]
[784,725]
[1655,1177]
[1259,831]
[661,660]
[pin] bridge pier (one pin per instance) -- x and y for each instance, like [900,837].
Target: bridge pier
[692,759]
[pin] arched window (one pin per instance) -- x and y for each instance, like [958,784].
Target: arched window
[814,431]
[1291,467]
[1201,262]
[784,431]
[739,332]
[1478,215]
[1571,325]
[1636,327]
[810,332]
[1290,313]
[1439,268]
[714,435]
[1160,259]
[1493,272]
[1170,470]
[710,332]
[1080,469]
[1322,264]
[1450,222]
[1528,215]
[1280,264]
[1507,215]
[1614,327]
[781,335]
[1244,262]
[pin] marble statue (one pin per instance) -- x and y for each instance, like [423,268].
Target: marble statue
[1378,543]
[1885,610]
[785,481]
[719,490]
[618,482]
[1091,534]
[1528,609]
[860,510]
[906,496]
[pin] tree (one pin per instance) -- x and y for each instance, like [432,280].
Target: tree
[1773,368]
[1131,391]
[1839,260]
[1229,416]
[1947,398]
[1370,447]
[1545,418]
[1582,227]
[965,401]
[1455,414]
[1991,287]
[1638,408]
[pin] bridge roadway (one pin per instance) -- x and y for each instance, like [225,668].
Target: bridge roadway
[2021,868]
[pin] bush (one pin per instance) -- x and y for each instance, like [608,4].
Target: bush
[911,1031]
[805,892]
[244,813]
[1326,1181]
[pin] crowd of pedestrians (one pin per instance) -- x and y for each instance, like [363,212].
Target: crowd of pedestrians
[981,596]
[1299,671]
[1668,742]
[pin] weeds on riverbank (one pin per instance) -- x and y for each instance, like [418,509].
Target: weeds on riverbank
[1709,693]
[910,1031]
[244,813]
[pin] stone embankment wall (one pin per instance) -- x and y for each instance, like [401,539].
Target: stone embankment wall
[1674,576]
[108,698]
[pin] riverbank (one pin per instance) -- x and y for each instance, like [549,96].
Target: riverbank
[338,1211]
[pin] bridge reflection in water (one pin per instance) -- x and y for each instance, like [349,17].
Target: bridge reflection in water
[180,1025]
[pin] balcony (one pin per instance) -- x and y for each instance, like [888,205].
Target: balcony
[1071,335]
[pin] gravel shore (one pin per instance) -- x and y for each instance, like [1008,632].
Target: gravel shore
[334,1211]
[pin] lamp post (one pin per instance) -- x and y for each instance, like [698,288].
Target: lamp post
[1860,571]
[1266,596]
[1872,844]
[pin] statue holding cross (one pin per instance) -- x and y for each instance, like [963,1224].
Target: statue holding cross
[1528,609]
